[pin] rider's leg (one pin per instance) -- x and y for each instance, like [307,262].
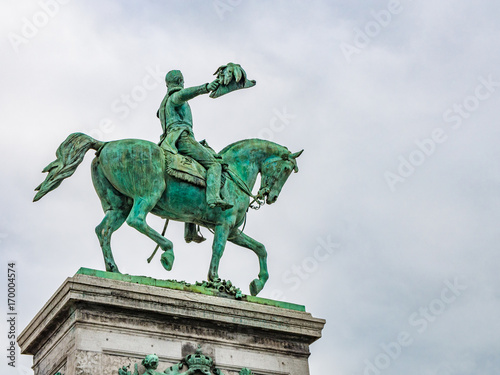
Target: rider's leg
[188,146]
[214,199]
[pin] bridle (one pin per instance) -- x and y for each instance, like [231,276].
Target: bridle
[267,182]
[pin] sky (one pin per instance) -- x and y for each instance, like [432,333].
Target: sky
[390,229]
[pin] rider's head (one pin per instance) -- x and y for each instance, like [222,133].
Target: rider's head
[174,80]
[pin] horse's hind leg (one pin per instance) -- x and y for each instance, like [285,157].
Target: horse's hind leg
[239,238]
[116,207]
[111,222]
[137,219]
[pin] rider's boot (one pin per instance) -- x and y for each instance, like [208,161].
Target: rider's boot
[213,188]
[191,233]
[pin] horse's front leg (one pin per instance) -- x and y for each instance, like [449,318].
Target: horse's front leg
[220,238]
[239,238]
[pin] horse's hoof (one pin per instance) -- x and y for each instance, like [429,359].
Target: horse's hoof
[167,260]
[256,286]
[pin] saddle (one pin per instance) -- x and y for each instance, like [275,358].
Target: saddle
[187,169]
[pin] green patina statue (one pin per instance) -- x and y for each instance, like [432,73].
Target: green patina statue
[177,123]
[194,364]
[180,179]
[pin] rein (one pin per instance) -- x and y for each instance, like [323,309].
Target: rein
[245,189]
[260,197]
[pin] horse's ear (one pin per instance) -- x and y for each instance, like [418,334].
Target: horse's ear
[297,154]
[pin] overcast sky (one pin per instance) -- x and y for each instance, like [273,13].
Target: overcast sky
[390,229]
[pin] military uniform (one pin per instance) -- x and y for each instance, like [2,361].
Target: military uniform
[177,123]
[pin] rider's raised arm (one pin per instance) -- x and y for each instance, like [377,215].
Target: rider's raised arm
[188,93]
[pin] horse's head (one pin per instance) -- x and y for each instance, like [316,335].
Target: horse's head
[274,173]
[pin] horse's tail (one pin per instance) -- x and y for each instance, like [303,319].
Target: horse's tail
[69,156]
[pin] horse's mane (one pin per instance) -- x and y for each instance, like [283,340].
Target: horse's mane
[264,143]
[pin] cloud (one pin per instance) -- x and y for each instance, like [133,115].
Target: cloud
[353,118]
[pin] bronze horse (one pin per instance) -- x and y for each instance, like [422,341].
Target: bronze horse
[130,179]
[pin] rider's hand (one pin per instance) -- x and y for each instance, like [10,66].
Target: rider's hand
[213,85]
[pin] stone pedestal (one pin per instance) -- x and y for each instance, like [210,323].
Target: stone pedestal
[94,325]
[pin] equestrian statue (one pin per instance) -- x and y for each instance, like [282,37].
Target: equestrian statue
[180,179]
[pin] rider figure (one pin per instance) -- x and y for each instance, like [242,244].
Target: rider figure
[177,123]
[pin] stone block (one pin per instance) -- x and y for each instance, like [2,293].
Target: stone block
[94,325]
